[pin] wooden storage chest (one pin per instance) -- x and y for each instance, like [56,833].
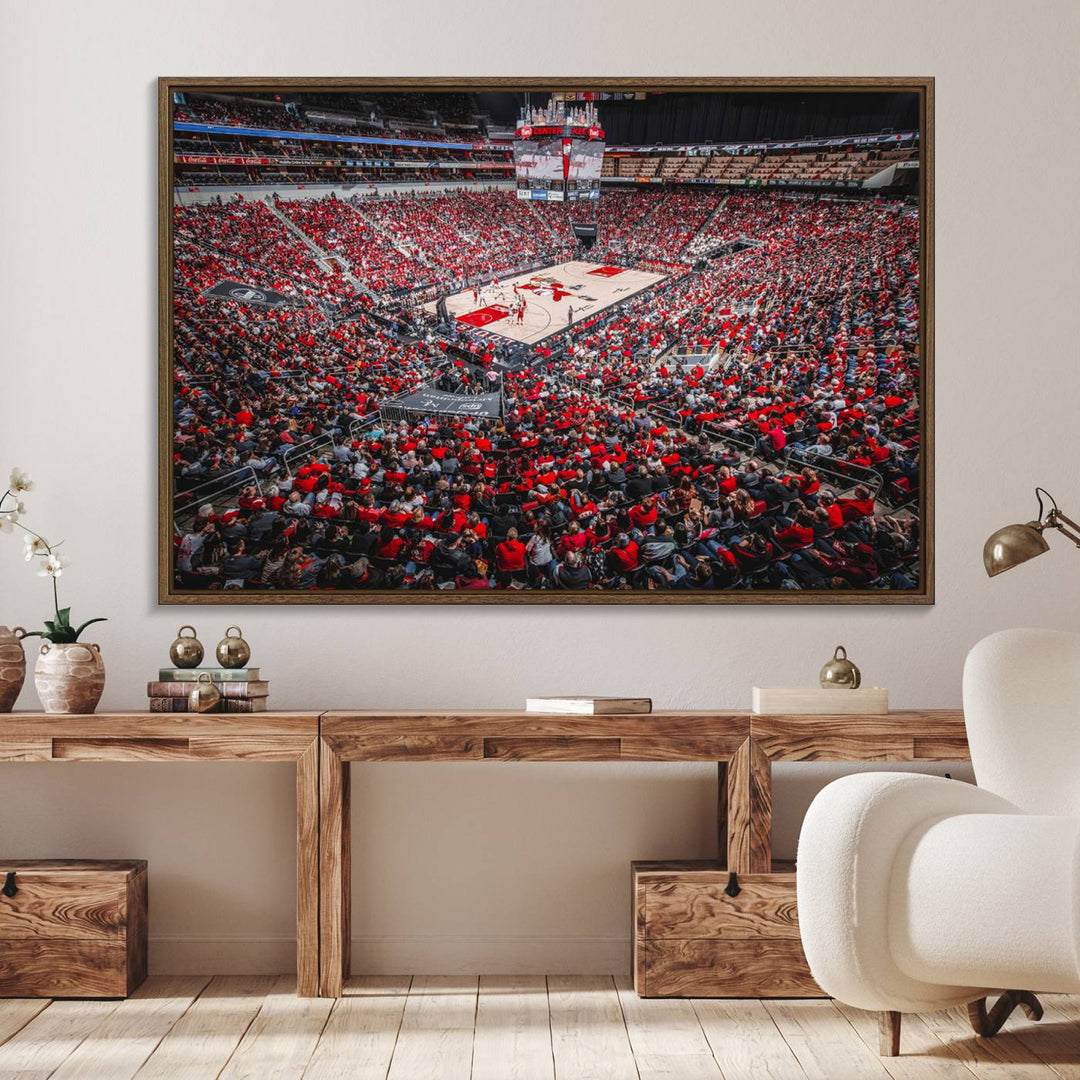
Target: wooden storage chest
[71,928]
[693,939]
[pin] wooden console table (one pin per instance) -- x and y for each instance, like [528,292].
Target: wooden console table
[323,745]
[743,746]
[902,735]
[137,736]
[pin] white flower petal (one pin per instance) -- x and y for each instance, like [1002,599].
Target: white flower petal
[20,481]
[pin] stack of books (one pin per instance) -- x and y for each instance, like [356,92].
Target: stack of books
[241,689]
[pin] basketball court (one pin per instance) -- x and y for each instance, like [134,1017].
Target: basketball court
[549,295]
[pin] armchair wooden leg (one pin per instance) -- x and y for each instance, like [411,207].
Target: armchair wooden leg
[988,1024]
[889,1033]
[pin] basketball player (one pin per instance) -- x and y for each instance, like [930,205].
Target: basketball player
[570,316]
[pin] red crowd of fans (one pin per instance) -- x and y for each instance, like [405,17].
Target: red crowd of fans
[783,453]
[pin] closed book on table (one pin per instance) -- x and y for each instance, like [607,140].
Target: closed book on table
[72,928]
[218,674]
[588,706]
[225,689]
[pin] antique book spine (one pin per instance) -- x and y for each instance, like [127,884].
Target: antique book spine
[237,705]
[225,689]
[229,705]
[168,704]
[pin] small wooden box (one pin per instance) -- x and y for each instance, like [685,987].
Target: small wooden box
[72,928]
[691,939]
[817,701]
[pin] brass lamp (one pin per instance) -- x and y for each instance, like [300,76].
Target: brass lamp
[1014,544]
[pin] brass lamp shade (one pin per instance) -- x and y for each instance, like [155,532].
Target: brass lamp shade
[1012,545]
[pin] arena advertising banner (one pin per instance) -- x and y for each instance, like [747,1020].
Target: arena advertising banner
[546,341]
[242,293]
[439,403]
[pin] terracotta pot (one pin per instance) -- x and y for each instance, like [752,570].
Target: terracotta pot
[69,678]
[12,666]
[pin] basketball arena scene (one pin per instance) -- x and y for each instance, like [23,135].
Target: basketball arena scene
[546,342]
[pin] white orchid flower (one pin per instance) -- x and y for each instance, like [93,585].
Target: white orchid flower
[20,481]
[34,545]
[7,520]
[53,566]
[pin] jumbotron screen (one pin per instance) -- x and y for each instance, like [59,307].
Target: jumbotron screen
[539,159]
[586,160]
[558,162]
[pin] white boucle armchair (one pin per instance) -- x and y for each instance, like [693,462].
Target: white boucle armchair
[917,893]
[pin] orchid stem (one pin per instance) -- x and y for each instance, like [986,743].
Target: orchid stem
[48,546]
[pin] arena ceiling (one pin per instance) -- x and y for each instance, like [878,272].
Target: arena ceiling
[743,116]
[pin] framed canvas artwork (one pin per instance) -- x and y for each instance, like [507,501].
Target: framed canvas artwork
[546,341]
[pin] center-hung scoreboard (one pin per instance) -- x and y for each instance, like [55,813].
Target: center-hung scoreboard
[558,162]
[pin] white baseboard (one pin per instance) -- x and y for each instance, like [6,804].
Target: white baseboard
[434,954]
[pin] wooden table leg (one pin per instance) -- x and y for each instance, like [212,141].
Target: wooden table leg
[722,813]
[749,810]
[334,872]
[307,872]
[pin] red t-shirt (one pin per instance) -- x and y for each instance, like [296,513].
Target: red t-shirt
[643,516]
[627,557]
[510,555]
[795,536]
[853,509]
[391,549]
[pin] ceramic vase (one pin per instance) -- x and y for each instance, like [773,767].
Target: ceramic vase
[69,678]
[12,666]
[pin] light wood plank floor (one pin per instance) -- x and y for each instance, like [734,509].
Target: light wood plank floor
[524,1027]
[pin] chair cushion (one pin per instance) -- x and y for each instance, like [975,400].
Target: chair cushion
[988,899]
[849,842]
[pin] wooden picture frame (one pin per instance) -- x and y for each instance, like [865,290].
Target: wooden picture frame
[172,591]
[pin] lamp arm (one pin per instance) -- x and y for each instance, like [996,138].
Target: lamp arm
[1056,519]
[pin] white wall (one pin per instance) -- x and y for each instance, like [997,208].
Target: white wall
[499,867]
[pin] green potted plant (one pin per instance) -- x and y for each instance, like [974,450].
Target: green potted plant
[69,674]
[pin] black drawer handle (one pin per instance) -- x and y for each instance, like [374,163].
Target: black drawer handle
[9,884]
[732,887]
